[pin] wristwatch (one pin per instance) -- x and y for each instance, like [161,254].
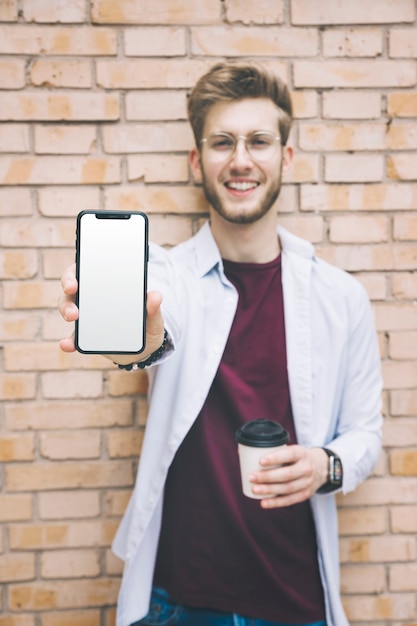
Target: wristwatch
[335,476]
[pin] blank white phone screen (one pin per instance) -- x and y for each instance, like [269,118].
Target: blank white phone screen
[111,271]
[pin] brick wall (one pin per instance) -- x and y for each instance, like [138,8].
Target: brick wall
[92,114]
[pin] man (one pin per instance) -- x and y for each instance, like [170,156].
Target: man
[255,327]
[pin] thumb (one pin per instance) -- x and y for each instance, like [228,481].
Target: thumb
[154,320]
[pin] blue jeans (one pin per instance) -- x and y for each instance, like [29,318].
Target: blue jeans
[165,612]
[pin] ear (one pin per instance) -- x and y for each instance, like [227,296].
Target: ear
[195,163]
[287,156]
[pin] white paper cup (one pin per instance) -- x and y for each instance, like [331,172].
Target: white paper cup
[254,440]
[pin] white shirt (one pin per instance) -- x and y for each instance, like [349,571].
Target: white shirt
[334,378]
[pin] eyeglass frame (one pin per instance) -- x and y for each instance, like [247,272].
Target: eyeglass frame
[245,138]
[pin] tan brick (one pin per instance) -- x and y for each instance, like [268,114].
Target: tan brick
[402,104]
[352,42]
[156,105]
[70,564]
[88,617]
[377,549]
[74,74]
[354,12]
[304,169]
[74,107]
[113,565]
[357,197]
[54,327]
[155,41]
[311,229]
[354,73]
[399,432]
[39,11]
[15,202]
[57,40]
[358,229]
[17,620]
[159,12]
[68,445]
[404,519]
[358,136]
[405,257]
[168,137]
[60,535]
[8,13]
[47,356]
[59,139]
[15,508]
[56,385]
[354,168]
[403,402]
[254,41]
[375,285]
[124,443]
[395,316]
[403,577]
[68,475]
[173,199]
[18,326]
[65,505]
[69,415]
[120,384]
[305,104]
[403,345]
[402,43]
[116,502]
[255,11]
[383,606]
[404,285]
[159,168]
[17,264]
[358,258]
[399,374]
[12,74]
[17,386]
[351,105]
[68,594]
[362,579]
[54,262]
[402,166]
[357,521]
[16,567]
[403,462]
[150,73]
[383,491]
[30,295]
[67,201]
[16,447]
[45,170]
[24,233]
[14,138]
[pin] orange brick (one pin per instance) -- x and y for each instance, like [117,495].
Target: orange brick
[352,42]
[362,579]
[18,264]
[403,577]
[351,105]
[156,105]
[116,502]
[16,448]
[52,107]
[72,170]
[399,432]
[88,617]
[70,564]
[154,168]
[403,462]
[155,41]
[354,73]
[305,104]
[41,596]
[35,40]
[385,607]
[16,567]
[372,197]
[17,620]
[159,12]
[30,295]
[377,549]
[402,104]
[69,445]
[354,12]
[402,42]
[404,519]
[124,443]
[58,139]
[351,136]
[64,505]
[25,233]
[380,491]
[357,521]
[75,74]
[113,565]
[402,166]
[121,384]
[67,202]
[61,535]
[19,326]
[8,13]
[15,507]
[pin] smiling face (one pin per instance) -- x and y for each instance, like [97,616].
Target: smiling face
[238,187]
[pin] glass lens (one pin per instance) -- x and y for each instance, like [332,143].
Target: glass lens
[260,145]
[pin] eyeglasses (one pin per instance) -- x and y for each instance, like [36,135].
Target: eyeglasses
[260,145]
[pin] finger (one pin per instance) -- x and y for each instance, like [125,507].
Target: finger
[69,282]
[67,345]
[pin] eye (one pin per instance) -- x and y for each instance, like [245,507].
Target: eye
[221,142]
[260,141]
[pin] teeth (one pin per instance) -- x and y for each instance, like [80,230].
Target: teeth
[242,186]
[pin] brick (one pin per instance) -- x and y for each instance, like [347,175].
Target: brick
[17,567]
[154,168]
[155,41]
[150,73]
[54,327]
[311,229]
[353,168]
[12,74]
[399,374]
[47,536]
[50,107]
[305,104]
[121,385]
[363,579]
[255,11]
[121,444]
[403,345]
[357,521]
[399,432]
[383,491]
[356,137]
[168,137]
[395,316]
[304,169]
[8,13]
[15,508]
[17,387]
[66,505]
[345,105]
[353,73]
[24,233]
[403,519]
[30,295]
[68,385]
[54,262]
[87,617]
[404,285]
[17,620]
[402,166]
[17,326]
[377,549]
[383,606]
[116,502]
[15,202]
[320,12]
[39,11]
[14,138]
[358,229]
[403,577]
[358,197]
[68,415]
[67,202]
[156,105]
[18,264]
[402,43]
[68,445]
[159,12]
[113,565]
[402,104]
[16,447]
[59,139]
[72,594]
[352,42]
[150,199]
[70,564]
[47,356]
[358,258]
[254,41]
[47,476]
[45,170]
[403,402]
[73,74]
[375,285]
[57,40]
[403,462]
[405,257]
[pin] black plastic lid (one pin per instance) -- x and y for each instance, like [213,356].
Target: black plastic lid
[262,434]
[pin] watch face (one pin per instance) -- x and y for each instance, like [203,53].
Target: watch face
[336,471]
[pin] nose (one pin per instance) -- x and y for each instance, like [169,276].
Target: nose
[241,156]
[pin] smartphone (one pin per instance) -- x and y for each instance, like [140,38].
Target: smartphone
[111,269]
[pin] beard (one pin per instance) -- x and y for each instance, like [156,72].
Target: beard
[235,214]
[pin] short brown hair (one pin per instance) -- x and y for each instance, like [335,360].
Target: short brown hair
[236,80]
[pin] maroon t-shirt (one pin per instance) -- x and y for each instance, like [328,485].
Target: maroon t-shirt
[218,549]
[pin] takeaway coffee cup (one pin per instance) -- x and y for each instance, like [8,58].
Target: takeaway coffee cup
[254,439]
